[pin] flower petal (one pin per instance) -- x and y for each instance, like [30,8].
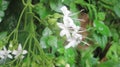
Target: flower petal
[63,32]
[10,56]
[65,10]
[70,44]
[15,52]
[4,48]
[61,25]
[24,52]
[20,47]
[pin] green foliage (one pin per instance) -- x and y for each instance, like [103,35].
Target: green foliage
[3,7]
[101,28]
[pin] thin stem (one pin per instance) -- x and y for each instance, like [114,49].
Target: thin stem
[24,2]
[21,16]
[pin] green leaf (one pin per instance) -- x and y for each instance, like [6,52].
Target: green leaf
[1,15]
[56,5]
[109,63]
[80,1]
[41,10]
[46,32]
[101,28]
[60,61]
[61,50]
[3,35]
[117,9]
[52,41]
[4,5]
[43,41]
[100,39]
[70,55]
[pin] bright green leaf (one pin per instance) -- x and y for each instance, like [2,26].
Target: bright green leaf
[61,50]
[101,40]
[101,28]
[70,55]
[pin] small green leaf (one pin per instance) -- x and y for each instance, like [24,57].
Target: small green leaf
[1,13]
[101,40]
[101,28]
[4,5]
[70,55]
[3,35]
[52,41]
[46,32]
[43,41]
[55,5]
[41,10]
[61,50]
[117,9]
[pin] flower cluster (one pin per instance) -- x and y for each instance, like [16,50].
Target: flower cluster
[69,29]
[8,53]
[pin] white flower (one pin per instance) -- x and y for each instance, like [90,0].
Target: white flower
[65,30]
[67,25]
[69,29]
[66,17]
[19,52]
[65,11]
[74,41]
[68,21]
[5,53]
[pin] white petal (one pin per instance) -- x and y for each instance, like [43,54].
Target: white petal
[4,48]
[22,57]
[20,47]
[24,52]
[9,51]
[68,21]
[16,56]
[61,25]
[15,52]
[63,32]
[70,44]
[10,56]
[65,10]
[2,57]
[2,52]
